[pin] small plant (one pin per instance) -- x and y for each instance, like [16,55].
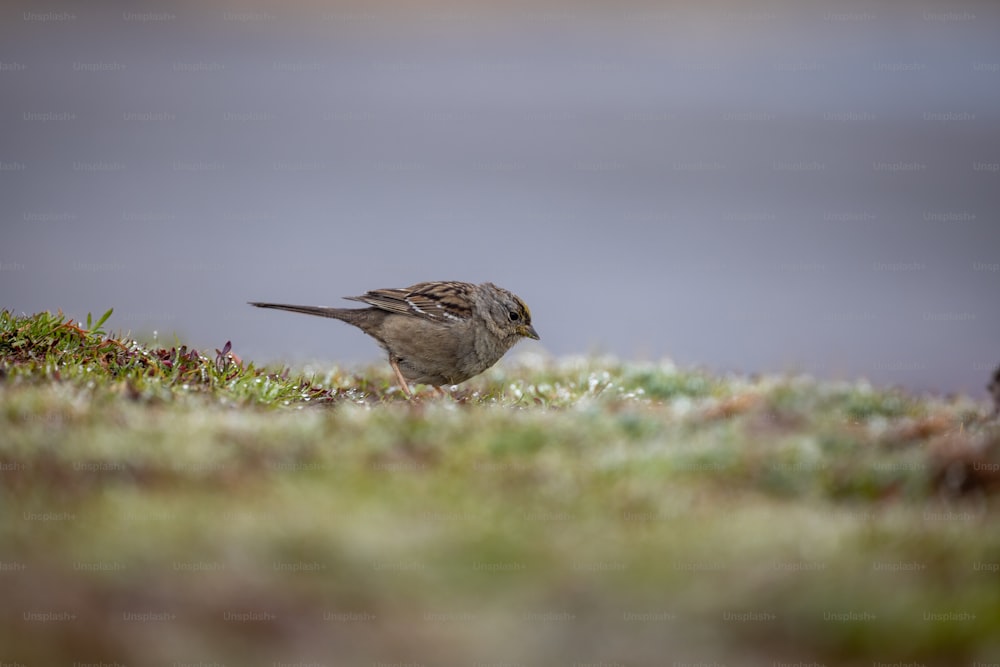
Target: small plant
[50,346]
[669,385]
[95,328]
[866,404]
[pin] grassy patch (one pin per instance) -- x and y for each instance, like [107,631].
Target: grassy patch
[169,505]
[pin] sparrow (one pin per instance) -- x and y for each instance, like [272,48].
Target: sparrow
[435,333]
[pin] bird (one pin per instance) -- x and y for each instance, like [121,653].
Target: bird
[435,333]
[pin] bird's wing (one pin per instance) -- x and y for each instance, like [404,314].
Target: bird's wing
[435,301]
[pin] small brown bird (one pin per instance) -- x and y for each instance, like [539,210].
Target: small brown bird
[435,333]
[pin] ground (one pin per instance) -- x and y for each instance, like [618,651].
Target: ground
[183,507]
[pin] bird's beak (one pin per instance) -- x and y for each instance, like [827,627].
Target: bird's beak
[528,331]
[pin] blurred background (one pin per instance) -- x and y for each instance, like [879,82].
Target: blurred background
[766,187]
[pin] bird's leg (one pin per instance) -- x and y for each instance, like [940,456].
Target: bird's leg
[399,376]
[440,392]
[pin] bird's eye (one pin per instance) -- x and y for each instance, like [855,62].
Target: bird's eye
[514,316]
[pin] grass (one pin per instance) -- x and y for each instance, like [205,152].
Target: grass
[170,506]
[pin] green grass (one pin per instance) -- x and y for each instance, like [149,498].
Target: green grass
[173,506]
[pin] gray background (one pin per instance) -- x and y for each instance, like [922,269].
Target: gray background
[771,187]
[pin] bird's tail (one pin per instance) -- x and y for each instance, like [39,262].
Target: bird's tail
[336,313]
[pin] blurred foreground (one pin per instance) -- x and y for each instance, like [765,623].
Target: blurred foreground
[169,508]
